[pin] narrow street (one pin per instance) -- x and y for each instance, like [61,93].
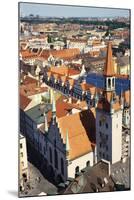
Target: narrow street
[38,184]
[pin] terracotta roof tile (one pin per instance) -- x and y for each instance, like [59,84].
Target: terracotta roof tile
[80,138]
[29,80]
[64,70]
[28,54]
[63,54]
[24,101]
[30,90]
[88,87]
[109,67]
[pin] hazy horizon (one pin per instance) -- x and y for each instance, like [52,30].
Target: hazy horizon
[50,10]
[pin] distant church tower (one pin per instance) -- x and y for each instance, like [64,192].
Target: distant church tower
[109,117]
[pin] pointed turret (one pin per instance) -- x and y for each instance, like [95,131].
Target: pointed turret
[67,146]
[109,78]
[109,67]
[111,105]
[122,100]
[67,142]
[46,123]
[53,108]
[96,98]
[83,71]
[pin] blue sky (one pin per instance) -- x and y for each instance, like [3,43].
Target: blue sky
[69,11]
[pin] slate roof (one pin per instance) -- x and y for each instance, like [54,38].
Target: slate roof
[36,114]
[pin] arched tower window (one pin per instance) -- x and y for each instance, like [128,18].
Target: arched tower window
[113,82]
[62,166]
[109,83]
[87,163]
[56,159]
[77,169]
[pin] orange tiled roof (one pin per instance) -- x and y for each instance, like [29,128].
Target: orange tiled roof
[88,87]
[62,108]
[80,138]
[28,54]
[29,80]
[30,90]
[24,101]
[64,70]
[109,67]
[78,40]
[63,78]
[94,53]
[63,54]
[71,81]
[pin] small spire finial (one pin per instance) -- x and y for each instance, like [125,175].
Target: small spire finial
[96,97]
[53,107]
[67,142]
[111,105]
[122,99]
[46,124]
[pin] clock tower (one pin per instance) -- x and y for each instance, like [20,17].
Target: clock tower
[109,117]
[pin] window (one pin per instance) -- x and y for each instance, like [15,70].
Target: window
[22,163]
[100,134]
[100,145]
[103,155]
[21,145]
[100,154]
[109,82]
[21,154]
[77,169]
[106,125]
[62,166]
[56,159]
[87,163]
[106,147]
[113,82]
[50,154]
[107,157]
[100,123]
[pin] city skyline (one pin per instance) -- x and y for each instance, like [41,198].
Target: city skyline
[51,10]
